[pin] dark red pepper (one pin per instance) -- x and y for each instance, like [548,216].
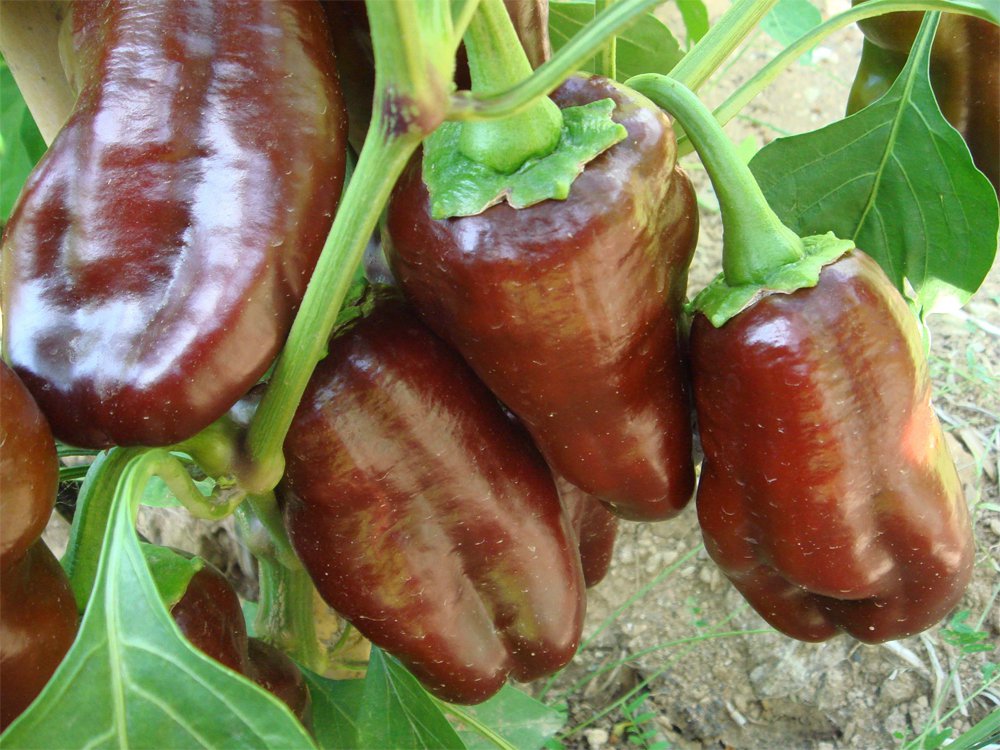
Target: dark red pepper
[827,495]
[38,617]
[424,516]
[570,310]
[159,251]
[596,528]
[210,617]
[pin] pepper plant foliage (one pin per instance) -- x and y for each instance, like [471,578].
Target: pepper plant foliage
[896,179]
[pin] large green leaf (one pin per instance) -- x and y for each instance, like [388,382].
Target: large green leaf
[132,681]
[336,705]
[897,180]
[21,145]
[512,715]
[397,712]
[647,46]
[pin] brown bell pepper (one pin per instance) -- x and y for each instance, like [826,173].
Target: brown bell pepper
[159,251]
[570,311]
[424,517]
[827,495]
[38,617]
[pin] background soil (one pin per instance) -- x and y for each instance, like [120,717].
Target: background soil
[705,670]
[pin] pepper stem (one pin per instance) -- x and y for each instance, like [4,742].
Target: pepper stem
[755,242]
[284,613]
[497,60]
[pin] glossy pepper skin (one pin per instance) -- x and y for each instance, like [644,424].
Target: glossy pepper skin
[424,517]
[595,526]
[159,251]
[570,310]
[209,615]
[965,75]
[827,495]
[38,617]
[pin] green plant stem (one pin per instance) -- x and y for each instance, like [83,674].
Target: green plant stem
[607,62]
[414,55]
[414,46]
[285,613]
[722,38]
[755,242]
[471,721]
[766,75]
[496,58]
[381,162]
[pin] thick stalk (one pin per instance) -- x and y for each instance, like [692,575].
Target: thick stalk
[697,65]
[284,611]
[607,55]
[380,164]
[722,38]
[496,58]
[579,50]
[755,242]
[414,55]
[766,75]
[285,614]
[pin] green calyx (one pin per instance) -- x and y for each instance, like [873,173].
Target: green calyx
[720,301]
[459,186]
[171,571]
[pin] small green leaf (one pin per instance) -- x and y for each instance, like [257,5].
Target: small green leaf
[171,571]
[21,145]
[459,186]
[898,180]
[934,740]
[694,13]
[131,680]
[336,705]
[513,715]
[397,712]
[791,19]
[645,46]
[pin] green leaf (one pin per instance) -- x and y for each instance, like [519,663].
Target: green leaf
[694,13]
[459,186]
[513,715]
[965,637]
[336,705]
[645,46]
[934,740]
[398,713]
[131,680]
[21,145]
[898,180]
[791,19]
